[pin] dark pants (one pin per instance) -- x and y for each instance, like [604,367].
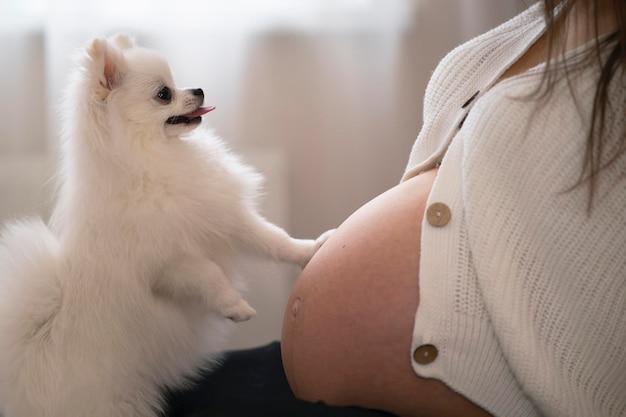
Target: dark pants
[251,383]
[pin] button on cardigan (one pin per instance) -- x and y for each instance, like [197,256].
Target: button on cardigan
[523,292]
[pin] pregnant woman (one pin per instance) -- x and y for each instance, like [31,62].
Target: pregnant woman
[492,279]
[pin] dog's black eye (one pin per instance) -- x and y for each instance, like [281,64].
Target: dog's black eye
[165,94]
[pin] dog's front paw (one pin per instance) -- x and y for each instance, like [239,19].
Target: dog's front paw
[323,238]
[238,312]
[315,245]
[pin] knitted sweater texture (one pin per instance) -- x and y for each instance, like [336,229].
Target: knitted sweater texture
[523,291]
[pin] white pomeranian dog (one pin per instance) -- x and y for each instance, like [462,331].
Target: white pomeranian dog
[129,289]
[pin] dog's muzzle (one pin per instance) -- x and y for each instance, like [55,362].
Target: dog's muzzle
[194,116]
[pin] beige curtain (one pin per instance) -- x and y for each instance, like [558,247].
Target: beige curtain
[323,97]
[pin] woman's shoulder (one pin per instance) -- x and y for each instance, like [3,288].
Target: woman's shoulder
[468,69]
[480,60]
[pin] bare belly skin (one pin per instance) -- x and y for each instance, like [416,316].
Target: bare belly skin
[347,328]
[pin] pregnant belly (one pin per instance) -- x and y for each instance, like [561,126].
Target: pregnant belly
[347,328]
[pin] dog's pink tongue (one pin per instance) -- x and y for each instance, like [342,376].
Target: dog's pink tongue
[200,112]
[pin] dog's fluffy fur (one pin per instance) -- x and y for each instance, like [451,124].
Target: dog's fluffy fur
[128,290]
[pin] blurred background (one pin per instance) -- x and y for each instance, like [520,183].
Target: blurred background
[324,97]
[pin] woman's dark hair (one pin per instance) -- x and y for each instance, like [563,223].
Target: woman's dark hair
[609,54]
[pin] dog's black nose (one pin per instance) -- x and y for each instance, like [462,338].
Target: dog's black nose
[198,92]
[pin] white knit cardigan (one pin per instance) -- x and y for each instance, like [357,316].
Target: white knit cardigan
[523,292]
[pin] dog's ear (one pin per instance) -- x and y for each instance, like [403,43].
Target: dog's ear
[107,61]
[123,41]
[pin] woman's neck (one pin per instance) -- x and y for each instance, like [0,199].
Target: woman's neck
[584,23]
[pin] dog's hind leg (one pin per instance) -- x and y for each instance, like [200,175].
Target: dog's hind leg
[193,279]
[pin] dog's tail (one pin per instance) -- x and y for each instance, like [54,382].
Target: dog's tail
[30,295]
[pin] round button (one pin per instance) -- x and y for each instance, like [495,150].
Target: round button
[438,214]
[425,354]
